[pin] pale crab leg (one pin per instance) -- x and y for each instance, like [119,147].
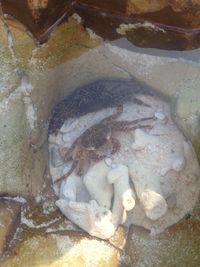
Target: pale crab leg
[115,115]
[96,157]
[81,167]
[140,102]
[74,165]
[115,145]
[126,129]
[118,124]
[69,152]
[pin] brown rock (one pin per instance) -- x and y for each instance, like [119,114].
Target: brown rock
[3,39]
[9,219]
[144,6]
[70,249]
[178,246]
[181,5]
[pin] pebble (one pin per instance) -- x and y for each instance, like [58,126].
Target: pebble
[160,115]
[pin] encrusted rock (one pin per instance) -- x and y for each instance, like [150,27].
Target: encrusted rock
[72,249]
[9,221]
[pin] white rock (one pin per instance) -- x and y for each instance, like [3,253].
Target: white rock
[97,185]
[160,115]
[160,162]
[92,218]
[124,197]
[73,189]
[56,139]
[54,156]
[154,204]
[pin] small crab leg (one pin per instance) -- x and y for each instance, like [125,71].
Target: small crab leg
[140,102]
[69,152]
[115,145]
[120,125]
[115,115]
[96,157]
[81,167]
[126,129]
[73,167]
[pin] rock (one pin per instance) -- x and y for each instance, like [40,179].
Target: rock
[161,164]
[145,6]
[186,107]
[182,5]
[9,221]
[3,39]
[124,196]
[97,185]
[95,220]
[71,249]
[178,246]
[23,109]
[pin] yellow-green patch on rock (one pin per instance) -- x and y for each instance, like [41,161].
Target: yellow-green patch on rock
[69,40]
[56,250]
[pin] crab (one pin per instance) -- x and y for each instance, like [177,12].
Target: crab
[87,146]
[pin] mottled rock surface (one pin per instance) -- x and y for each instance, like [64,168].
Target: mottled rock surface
[24,108]
[178,246]
[138,6]
[23,165]
[9,221]
[54,250]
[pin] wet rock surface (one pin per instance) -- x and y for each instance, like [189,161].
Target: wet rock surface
[22,105]
[159,162]
[9,221]
[67,249]
[23,166]
[177,21]
[48,239]
[172,248]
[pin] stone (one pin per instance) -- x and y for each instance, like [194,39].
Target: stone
[9,221]
[152,181]
[124,196]
[145,6]
[97,184]
[3,39]
[23,109]
[182,5]
[69,249]
[186,107]
[178,246]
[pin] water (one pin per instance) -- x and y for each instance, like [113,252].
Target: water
[51,78]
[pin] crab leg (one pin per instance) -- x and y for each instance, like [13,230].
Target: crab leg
[96,157]
[119,125]
[115,145]
[74,165]
[140,102]
[115,115]
[69,152]
[125,129]
[81,167]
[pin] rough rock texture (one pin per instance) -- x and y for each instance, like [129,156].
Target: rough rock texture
[109,60]
[160,163]
[70,249]
[186,106]
[145,6]
[23,103]
[138,6]
[9,221]
[172,248]
[182,5]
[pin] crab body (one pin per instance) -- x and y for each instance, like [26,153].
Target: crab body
[92,144]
